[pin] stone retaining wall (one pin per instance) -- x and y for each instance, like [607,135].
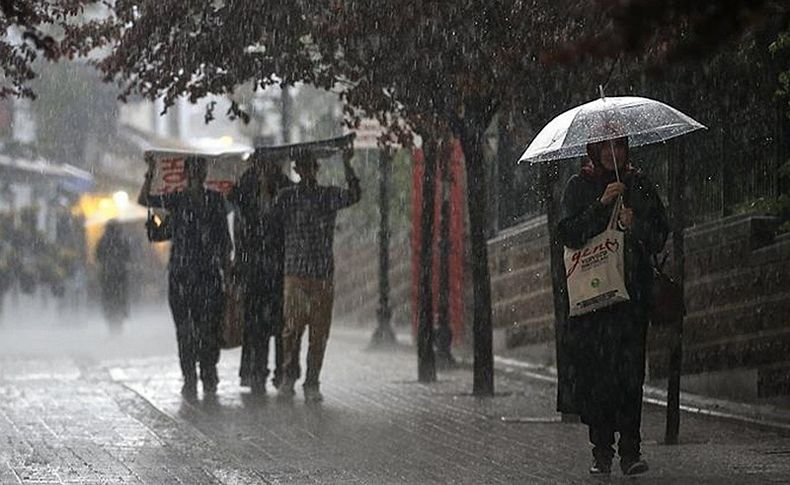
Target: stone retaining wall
[737,297]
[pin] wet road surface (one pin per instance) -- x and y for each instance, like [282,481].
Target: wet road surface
[109,411]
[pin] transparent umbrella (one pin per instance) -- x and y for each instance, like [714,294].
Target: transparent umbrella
[644,121]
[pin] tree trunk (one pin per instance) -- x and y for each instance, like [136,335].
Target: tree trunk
[444,335]
[426,359]
[472,135]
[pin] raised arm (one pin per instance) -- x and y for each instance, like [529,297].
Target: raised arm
[336,198]
[145,198]
[354,187]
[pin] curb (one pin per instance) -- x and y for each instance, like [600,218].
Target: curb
[762,416]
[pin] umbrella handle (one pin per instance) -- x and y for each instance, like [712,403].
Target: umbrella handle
[619,204]
[615,213]
[614,159]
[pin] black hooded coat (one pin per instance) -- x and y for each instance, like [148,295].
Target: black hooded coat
[607,347]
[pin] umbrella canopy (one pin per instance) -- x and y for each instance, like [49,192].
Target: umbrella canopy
[644,121]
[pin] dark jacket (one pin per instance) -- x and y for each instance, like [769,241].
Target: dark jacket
[607,347]
[259,264]
[260,234]
[201,241]
[113,252]
[309,212]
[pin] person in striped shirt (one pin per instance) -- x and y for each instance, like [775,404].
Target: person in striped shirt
[308,211]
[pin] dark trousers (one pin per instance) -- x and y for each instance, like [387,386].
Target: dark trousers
[255,358]
[197,302]
[629,422]
[607,349]
[262,324]
[602,440]
[115,294]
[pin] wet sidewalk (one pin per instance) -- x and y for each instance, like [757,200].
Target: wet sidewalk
[122,421]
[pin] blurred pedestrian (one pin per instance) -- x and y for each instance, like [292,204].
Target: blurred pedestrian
[309,211]
[259,262]
[199,255]
[607,346]
[113,256]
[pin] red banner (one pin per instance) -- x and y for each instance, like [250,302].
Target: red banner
[456,196]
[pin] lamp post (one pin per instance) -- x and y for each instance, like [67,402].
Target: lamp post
[384,335]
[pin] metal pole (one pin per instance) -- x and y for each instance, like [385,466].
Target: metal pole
[678,201]
[384,335]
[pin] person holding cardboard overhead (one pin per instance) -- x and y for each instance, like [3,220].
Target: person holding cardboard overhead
[199,256]
[308,211]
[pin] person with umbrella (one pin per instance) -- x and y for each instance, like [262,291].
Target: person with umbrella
[609,343]
[606,347]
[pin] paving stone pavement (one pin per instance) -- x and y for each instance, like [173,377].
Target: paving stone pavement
[121,420]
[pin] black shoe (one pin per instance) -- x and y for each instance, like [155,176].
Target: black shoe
[286,390]
[210,379]
[312,394]
[210,386]
[258,388]
[189,391]
[601,468]
[634,467]
[277,380]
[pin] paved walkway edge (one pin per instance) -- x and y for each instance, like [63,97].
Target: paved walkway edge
[759,415]
[765,416]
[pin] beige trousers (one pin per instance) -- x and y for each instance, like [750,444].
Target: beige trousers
[307,302]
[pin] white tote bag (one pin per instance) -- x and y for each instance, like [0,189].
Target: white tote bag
[596,272]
